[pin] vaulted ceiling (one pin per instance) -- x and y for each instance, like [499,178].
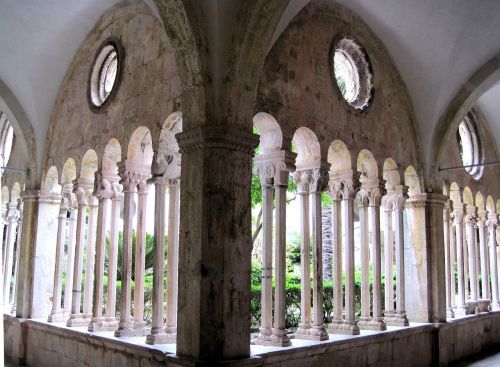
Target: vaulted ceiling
[436,46]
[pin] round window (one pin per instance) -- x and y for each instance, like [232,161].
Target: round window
[105,72]
[469,146]
[352,73]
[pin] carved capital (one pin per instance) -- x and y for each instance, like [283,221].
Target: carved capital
[303,181]
[492,220]
[274,167]
[82,196]
[335,189]
[482,218]
[319,180]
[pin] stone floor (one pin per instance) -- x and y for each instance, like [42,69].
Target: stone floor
[488,358]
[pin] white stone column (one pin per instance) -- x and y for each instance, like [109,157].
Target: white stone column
[303,181]
[172,259]
[469,220]
[484,261]
[318,331]
[83,190]
[465,252]
[335,192]
[362,200]
[116,202]
[492,223]
[70,255]
[3,222]
[458,215]
[453,261]
[16,262]
[57,313]
[90,262]
[12,216]
[447,259]
[104,194]
[388,258]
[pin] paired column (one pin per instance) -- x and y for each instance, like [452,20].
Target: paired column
[484,302]
[458,216]
[492,223]
[16,262]
[470,224]
[447,258]
[70,254]
[12,219]
[90,262]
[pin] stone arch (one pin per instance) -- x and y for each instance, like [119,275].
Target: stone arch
[412,180]
[308,148]
[168,156]
[112,155]
[446,189]
[391,173]
[5,195]
[490,204]
[15,193]
[366,164]
[51,182]
[468,198]
[89,165]
[339,158]
[68,172]
[140,147]
[271,136]
[479,200]
[498,206]
[455,194]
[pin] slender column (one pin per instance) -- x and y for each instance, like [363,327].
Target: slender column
[140,257]
[116,201]
[266,173]
[469,221]
[3,222]
[318,331]
[77,318]
[335,187]
[466,261]
[483,250]
[70,255]
[453,261]
[12,216]
[458,215]
[172,259]
[389,260]
[303,181]
[492,223]
[377,322]
[90,262]
[104,194]
[447,260]
[365,258]
[16,262]
[57,313]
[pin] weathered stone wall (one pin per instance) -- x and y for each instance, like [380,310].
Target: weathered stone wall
[298,88]
[148,92]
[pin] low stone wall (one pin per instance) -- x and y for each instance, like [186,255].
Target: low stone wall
[37,343]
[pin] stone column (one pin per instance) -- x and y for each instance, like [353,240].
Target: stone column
[12,216]
[116,201]
[83,189]
[104,193]
[70,255]
[467,279]
[303,181]
[492,223]
[335,192]
[388,258]
[453,261]
[362,200]
[16,262]
[447,260]
[57,313]
[458,215]
[90,262]
[266,170]
[484,263]
[469,220]
[319,179]
[3,220]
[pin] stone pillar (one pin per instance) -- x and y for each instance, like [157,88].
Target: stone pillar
[362,200]
[335,192]
[70,254]
[492,223]
[16,262]
[458,215]
[465,252]
[470,221]
[303,181]
[483,251]
[425,280]
[57,313]
[215,243]
[388,259]
[447,259]
[116,201]
[84,188]
[3,220]
[104,193]
[12,216]
[319,179]
[453,261]
[140,256]
[90,262]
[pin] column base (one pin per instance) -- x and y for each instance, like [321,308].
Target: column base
[103,324]
[495,306]
[343,327]
[372,324]
[264,337]
[161,338]
[450,313]
[460,310]
[471,307]
[396,320]
[278,338]
[130,329]
[78,320]
[312,333]
[57,316]
[484,305]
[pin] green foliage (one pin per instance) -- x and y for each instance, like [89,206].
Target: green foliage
[256,191]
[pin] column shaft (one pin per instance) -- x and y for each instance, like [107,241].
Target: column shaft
[388,258]
[492,222]
[305,270]
[365,264]
[70,258]
[461,306]
[57,312]
[113,257]
[374,210]
[90,262]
